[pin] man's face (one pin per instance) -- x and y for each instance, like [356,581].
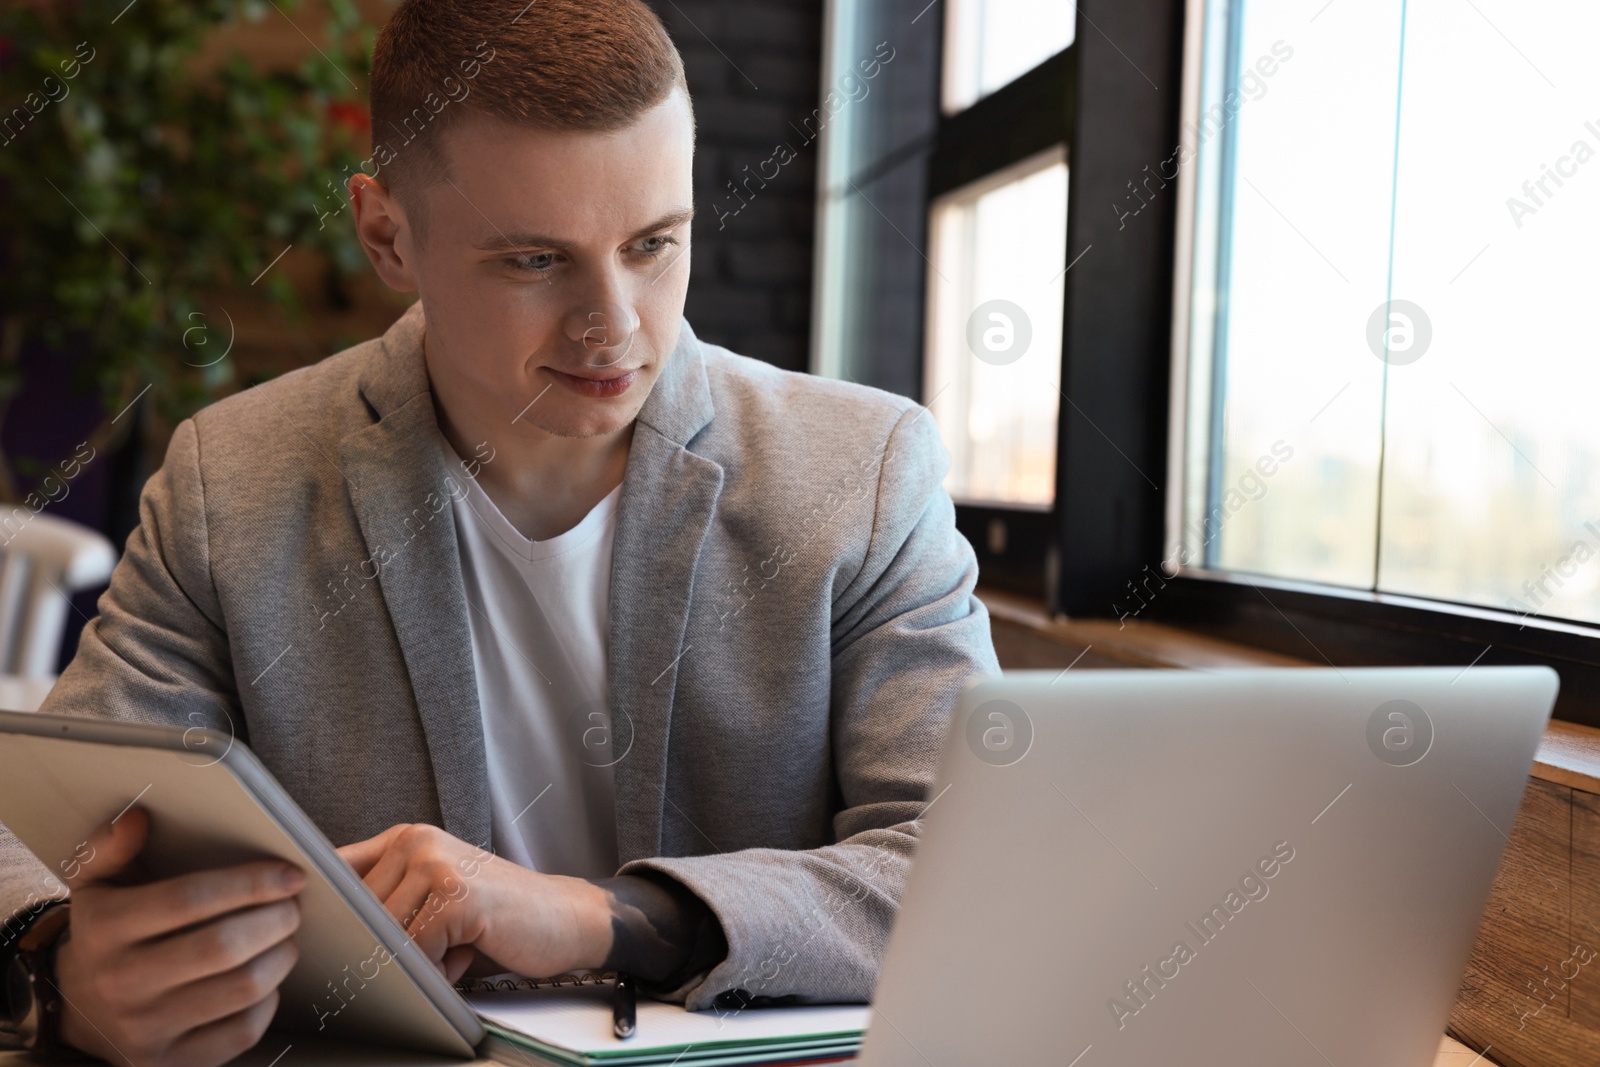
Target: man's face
[555,269]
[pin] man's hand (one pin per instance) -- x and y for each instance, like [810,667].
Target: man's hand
[183,971]
[462,904]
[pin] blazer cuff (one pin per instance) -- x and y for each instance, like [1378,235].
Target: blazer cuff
[761,898]
[709,945]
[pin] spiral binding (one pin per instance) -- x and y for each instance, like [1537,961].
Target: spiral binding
[496,985]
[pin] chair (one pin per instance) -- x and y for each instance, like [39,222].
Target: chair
[43,561]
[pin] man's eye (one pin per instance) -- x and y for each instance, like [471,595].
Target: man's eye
[538,263]
[654,246]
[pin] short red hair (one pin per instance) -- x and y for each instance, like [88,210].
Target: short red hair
[593,65]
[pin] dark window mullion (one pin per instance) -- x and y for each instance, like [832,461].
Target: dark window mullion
[1016,121]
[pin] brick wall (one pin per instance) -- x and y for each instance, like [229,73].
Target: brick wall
[753,69]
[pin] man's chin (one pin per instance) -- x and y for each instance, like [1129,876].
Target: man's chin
[586,424]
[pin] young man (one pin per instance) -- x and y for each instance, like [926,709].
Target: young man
[655,642]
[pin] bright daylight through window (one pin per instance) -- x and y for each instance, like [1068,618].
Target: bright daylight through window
[994,292]
[1386,337]
[997,250]
[988,43]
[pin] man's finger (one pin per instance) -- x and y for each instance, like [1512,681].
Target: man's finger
[207,1000]
[436,930]
[226,1038]
[211,949]
[443,922]
[108,850]
[147,911]
[362,855]
[392,868]
[456,961]
[409,903]
[431,930]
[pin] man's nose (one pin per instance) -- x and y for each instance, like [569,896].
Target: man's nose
[604,328]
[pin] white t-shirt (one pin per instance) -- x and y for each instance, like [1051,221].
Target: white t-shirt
[538,615]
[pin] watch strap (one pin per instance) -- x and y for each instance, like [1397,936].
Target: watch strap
[36,949]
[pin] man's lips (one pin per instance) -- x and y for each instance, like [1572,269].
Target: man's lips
[597,384]
[596,374]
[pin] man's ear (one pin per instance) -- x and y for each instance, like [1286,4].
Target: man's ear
[383,232]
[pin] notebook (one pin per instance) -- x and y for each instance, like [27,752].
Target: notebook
[571,1025]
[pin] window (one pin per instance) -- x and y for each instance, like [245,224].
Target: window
[1385,360]
[994,293]
[989,43]
[942,241]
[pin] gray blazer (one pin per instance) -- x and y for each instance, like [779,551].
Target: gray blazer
[791,622]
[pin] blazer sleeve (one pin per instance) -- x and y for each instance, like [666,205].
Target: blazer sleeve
[156,653]
[811,926]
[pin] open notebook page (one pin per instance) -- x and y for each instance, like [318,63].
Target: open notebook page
[579,1018]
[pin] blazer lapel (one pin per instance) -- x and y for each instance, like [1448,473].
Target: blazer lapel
[402,500]
[669,496]
[667,502]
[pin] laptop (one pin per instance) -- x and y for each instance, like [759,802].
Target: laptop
[1252,868]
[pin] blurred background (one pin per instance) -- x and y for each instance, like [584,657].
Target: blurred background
[175,226]
[1268,319]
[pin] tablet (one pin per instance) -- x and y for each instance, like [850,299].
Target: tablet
[212,804]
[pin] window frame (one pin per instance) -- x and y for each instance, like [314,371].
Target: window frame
[1112,435]
[1119,430]
[1323,623]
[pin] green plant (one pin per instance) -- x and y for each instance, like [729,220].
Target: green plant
[138,186]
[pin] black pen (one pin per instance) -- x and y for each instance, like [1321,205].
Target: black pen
[624,1007]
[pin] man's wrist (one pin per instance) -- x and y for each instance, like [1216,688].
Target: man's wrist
[33,1001]
[591,923]
[661,931]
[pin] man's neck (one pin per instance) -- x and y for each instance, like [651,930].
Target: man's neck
[543,483]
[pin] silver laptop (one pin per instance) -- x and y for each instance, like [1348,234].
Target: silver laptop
[1245,868]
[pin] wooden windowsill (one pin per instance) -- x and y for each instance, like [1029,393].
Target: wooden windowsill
[1569,755]
[1131,642]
